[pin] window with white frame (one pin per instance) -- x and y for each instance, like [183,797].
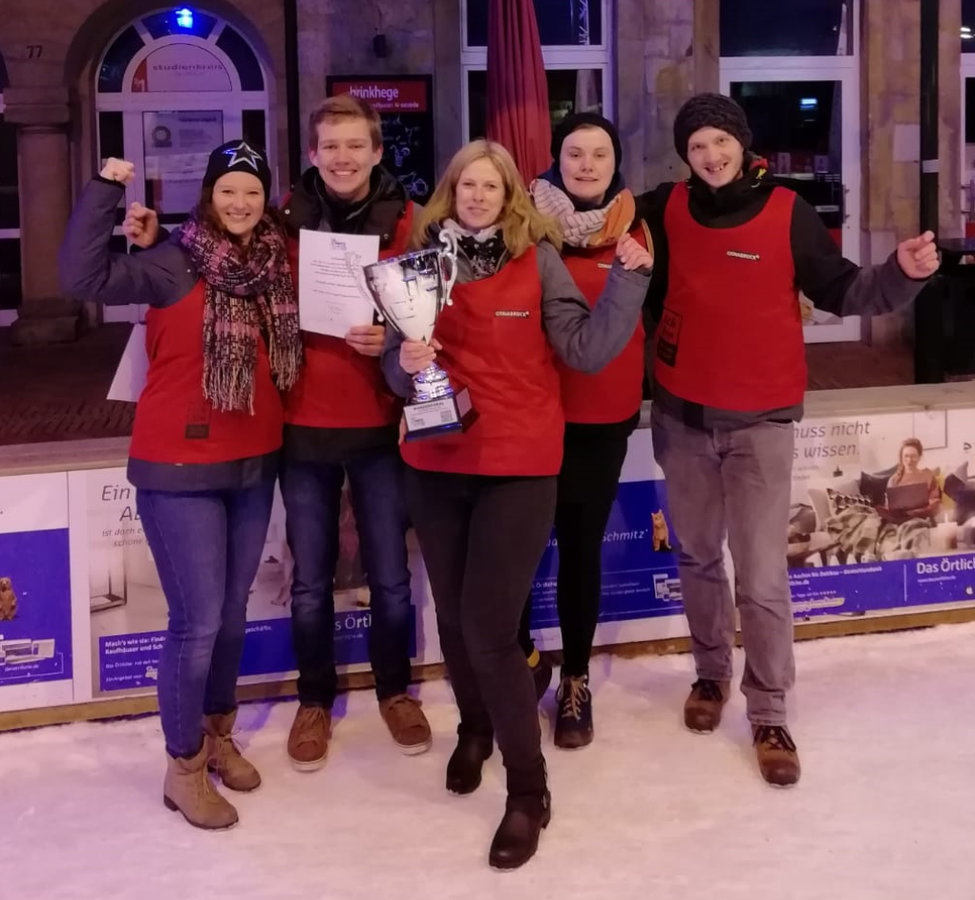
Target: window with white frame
[171,86]
[576,51]
[798,80]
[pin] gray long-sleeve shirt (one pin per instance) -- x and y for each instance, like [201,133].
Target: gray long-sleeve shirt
[585,339]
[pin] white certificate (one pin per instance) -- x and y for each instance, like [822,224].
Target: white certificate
[332,291]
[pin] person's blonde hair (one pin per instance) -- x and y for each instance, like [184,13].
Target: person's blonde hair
[341,109]
[521,224]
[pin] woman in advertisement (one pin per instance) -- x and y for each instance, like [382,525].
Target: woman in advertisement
[222,339]
[483,500]
[912,492]
[583,191]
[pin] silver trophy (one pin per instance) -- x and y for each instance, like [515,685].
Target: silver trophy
[410,291]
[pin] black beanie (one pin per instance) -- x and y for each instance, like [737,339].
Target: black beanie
[585,120]
[710,111]
[239,156]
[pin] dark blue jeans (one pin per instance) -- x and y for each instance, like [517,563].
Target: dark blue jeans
[207,546]
[312,493]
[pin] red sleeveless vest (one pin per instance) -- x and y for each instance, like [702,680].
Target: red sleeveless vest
[173,421]
[731,332]
[338,386]
[615,393]
[494,344]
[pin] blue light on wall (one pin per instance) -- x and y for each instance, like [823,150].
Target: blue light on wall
[184,18]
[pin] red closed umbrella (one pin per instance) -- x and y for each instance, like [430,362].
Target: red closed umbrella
[517,93]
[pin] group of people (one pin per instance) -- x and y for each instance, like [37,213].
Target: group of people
[555,282]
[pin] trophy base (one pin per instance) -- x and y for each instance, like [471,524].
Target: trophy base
[434,418]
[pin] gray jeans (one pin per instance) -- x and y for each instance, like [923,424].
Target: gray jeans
[735,482]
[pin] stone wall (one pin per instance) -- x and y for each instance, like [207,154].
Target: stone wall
[335,37]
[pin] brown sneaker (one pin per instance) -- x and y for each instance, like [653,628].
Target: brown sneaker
[778,759]
[308,740]
[702,708]
[223,754]
[406,723]
[187,789]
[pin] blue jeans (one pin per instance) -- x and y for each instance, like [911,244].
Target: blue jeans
[312,493]
[207,546]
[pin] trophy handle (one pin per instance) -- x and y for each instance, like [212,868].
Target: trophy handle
[448,260]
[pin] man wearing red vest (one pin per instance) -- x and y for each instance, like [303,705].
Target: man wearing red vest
[342,420]
[732,252]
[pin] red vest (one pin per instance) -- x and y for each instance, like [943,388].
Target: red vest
[494,343]
[613,394]
[338,386]
[173,421]
[731,332]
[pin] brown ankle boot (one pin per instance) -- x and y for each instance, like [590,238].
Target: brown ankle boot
[702,708]
[187,789]
[778,758]
[224,756]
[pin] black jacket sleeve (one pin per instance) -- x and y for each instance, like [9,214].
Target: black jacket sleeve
[650,207]
[832,282]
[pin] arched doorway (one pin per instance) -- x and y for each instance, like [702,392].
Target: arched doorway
[10,289]
[171,86]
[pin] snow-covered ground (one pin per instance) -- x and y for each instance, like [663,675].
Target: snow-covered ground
[886,807]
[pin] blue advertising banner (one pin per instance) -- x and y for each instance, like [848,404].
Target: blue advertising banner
[35,607]
[639,560]
[131,662]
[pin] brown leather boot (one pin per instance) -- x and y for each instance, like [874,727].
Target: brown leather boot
[187,789]
[224,756]
[778,758]
[308,739]
[406,723]
[702,708]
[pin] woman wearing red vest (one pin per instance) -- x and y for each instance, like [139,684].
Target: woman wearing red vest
[733,251]
[222,338]
[483,500]
[583,191]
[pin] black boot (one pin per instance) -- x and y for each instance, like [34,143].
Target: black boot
[516,839]
[573,722]
[464,765]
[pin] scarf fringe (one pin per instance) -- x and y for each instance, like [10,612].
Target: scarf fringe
[246,291]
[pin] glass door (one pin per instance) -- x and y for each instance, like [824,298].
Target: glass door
[805,122]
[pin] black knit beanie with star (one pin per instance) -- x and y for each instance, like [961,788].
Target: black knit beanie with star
[238,156]
[710,111]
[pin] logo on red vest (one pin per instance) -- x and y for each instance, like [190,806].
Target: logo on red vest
[668,336]
[512,313]
[751,257]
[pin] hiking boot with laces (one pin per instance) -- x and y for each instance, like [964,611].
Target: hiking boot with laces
[406,723]
[223,754]
[573,722]
[702,708]
[187,789]
[308,740]
[778,759]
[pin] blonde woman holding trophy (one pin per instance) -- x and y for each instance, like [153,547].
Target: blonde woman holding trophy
[481,490]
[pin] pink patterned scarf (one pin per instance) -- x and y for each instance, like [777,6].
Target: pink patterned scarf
[249,292]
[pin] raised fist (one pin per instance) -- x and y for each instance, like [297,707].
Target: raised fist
[119,170]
